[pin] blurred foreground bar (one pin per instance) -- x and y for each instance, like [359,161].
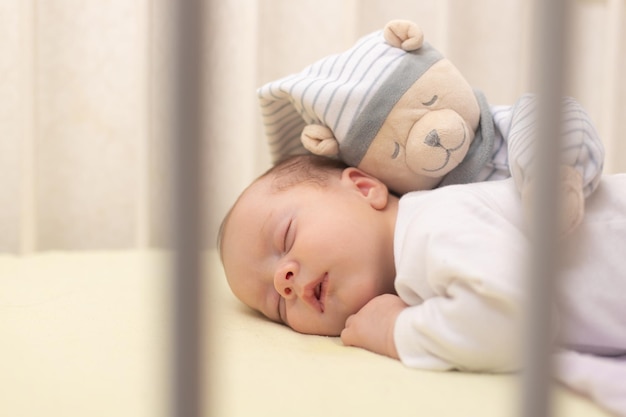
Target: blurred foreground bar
[186,195]
[547,76]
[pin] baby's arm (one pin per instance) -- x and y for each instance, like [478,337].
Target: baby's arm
[372,327]
[461,265]
[465,329]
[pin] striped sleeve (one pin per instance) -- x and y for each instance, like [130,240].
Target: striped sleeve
[581,146]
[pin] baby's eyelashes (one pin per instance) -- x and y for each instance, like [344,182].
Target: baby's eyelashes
[288,238]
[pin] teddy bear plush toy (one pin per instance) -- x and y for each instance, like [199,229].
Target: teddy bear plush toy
[395,107]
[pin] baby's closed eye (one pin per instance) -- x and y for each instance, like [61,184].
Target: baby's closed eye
[288,236]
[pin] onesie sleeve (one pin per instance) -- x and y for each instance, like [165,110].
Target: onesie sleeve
[461,329]
[581,146]
[462,271]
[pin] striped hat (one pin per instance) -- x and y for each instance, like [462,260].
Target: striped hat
[351,93]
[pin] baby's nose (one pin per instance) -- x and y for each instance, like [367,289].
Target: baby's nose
[284,281]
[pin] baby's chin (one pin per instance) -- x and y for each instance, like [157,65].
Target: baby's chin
[331,326]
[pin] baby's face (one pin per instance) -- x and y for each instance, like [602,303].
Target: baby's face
[308,256]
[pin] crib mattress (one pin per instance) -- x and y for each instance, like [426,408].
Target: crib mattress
[87,334]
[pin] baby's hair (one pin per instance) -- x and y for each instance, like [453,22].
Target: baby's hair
[297,169]
[291,171]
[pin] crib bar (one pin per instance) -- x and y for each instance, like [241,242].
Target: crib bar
[546,75]
[186,149]
[612,76]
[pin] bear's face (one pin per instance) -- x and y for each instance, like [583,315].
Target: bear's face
[427,133]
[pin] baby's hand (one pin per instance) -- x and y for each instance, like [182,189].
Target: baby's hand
[372,327]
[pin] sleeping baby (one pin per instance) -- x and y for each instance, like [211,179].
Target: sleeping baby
[434,278]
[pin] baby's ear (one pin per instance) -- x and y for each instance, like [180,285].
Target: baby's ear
[372,189]
[319,140]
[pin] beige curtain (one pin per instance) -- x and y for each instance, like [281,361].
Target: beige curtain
[85,107]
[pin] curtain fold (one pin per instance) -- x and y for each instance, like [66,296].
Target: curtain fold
[85,104]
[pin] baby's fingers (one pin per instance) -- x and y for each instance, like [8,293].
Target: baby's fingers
[348,333]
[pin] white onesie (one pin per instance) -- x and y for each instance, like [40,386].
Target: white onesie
[461,261]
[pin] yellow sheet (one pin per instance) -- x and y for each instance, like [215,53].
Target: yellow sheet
[87,334]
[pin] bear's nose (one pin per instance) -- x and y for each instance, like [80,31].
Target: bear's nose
[432,139]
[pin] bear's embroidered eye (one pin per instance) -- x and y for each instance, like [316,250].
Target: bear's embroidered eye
[431,101]
[396,151]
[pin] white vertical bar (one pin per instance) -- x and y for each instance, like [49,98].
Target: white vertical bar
[443,16]
[551,19]
[142,196]
[350,25]
[28,213]
[527,51]
[610,87]
[187,153]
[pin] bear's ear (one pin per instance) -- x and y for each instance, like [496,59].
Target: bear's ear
[319,140]
[404,34]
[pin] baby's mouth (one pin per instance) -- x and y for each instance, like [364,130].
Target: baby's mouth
[320,291]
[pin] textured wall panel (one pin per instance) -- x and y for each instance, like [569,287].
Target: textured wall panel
[85,106]
[91,104]
[15,116]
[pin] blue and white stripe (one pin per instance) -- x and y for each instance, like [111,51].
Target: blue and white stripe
[513,150]
[332,92]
